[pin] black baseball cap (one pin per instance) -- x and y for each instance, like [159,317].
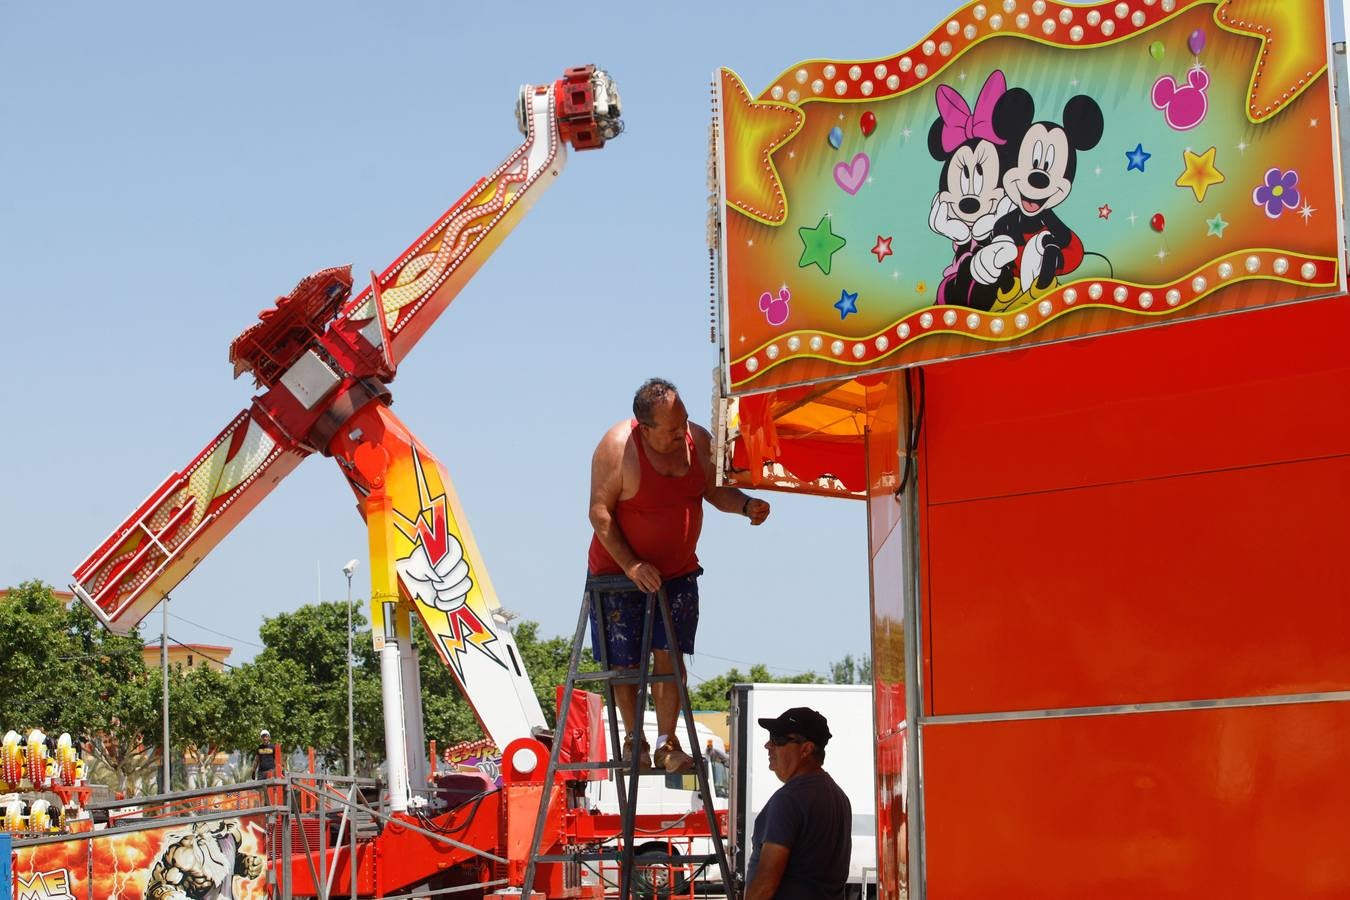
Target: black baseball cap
[800,720]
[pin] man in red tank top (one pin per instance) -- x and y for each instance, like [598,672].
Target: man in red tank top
[649,478]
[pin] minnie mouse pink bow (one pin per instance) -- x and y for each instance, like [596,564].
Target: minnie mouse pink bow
[959,124]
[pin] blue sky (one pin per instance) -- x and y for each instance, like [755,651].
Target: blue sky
[169,169]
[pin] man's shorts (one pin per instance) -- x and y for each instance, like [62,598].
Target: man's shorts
[624,611]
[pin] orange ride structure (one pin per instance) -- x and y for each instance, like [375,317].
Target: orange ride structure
[1110,618]
[323,358]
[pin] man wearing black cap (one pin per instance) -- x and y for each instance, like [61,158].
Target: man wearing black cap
[801,843]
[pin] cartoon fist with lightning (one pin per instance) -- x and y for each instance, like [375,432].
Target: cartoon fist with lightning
[444,582]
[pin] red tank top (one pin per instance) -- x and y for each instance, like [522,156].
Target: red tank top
[662,521]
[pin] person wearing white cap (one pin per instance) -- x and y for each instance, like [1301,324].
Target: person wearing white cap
[802,839]
[266,765]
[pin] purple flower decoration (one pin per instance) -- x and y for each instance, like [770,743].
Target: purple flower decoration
[1280,192]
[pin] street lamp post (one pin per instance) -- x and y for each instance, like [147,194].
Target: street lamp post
[164,685]
[347,570]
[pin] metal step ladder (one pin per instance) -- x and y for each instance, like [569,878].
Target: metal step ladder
[626,772]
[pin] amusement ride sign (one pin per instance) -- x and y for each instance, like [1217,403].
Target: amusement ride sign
[1028,172]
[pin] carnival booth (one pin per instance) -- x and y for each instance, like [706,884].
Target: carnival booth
[1105,555]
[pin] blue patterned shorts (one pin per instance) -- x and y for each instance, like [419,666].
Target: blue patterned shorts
[624,611]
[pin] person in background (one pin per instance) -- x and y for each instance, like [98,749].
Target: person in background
[720,764]
[803,837]
[266,765]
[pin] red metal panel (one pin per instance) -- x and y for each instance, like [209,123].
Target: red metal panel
[1235,391]
[1148,516]
[887,556]
[1226,584]
[583,734]
[892,816]
[1231,803]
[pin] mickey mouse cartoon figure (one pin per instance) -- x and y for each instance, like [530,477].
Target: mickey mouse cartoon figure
[969,199]
[1031,247]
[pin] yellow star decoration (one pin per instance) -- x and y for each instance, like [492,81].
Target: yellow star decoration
[1201,173]
[1292,54]
[751,132]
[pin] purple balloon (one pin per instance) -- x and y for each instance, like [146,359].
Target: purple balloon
[1197,41]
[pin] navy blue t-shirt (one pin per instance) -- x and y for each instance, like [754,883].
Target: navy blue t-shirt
[812,817]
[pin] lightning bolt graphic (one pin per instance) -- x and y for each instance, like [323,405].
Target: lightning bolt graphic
[437,575]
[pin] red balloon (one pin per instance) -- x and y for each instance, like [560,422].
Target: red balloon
[1158,222]
[868,123]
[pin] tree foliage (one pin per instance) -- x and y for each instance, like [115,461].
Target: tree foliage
[64,672]
[297,686]
[450,719]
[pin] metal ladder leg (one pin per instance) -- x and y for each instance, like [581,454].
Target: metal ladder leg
[563,709]
[597,604]
[593,603]
[629,817]
[677,660]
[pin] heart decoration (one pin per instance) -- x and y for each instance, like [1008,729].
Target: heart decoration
[851,175]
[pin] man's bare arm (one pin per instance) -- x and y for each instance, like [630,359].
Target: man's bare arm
[773,860]
[724,497]
[606,487]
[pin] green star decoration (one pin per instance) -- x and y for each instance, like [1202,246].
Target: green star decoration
[1216,226]
[819,245]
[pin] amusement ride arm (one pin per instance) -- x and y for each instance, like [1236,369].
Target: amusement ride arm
[323,359]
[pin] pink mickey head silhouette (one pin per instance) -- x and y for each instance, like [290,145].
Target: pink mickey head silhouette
[775,309]
[1184,106]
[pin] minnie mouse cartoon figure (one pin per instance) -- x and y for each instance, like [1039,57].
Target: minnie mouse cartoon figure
[969,199]
[1031,247]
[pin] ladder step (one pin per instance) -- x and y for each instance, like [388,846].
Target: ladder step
[615,765]
[617,855]
[620,676]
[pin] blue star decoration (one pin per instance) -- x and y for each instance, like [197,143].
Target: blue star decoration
[1137,158]
[847,303]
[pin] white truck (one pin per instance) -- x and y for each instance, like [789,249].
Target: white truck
[849,759]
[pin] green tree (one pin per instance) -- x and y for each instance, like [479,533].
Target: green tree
[199,708]
[713,693]
[64,672]
[297,686]
[39,680]
[447,715]
[546,660]
[450,719]
[123,742]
